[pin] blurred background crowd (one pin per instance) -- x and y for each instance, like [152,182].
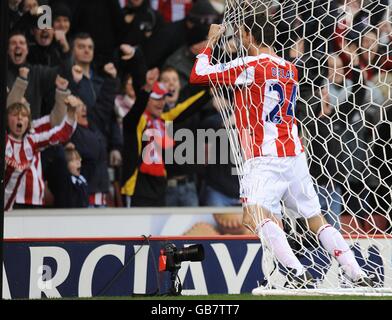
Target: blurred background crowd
[108,51]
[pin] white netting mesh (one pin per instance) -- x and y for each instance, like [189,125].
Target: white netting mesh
[343,54]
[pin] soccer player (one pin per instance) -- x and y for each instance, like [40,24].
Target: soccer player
[275,169]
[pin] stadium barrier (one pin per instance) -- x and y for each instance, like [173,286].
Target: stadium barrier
[84,253]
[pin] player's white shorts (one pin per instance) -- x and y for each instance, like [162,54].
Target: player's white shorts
[268,180]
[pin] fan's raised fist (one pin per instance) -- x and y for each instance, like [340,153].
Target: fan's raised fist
[110,69]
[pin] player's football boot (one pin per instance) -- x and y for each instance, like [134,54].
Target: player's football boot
[364,281]
[302,281]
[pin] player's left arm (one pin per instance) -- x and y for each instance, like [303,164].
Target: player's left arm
[235,72]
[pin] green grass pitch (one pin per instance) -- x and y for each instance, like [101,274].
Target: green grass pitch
[243,297]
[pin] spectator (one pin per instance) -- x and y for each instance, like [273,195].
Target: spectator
[145,140]
[91,144]
[28,5]
[88,83]
[125,100]
[314,22]
[17,92]
[93,138]
[92,88]
[145,28]
[41,78]
[69,187]
[104,22]
[142,22]
[22,146]
[62,18]
[22,14]
[383,77]
[354,17]
[181,188]
[365,45]
[171,79]
[14,12]
[31,187]
[131,62]
[50,47]
[198,21]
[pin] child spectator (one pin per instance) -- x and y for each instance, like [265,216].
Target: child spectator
[31,188]
[70,188]
[91,144]
[22,145]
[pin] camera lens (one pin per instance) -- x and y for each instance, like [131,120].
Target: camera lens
[191,253]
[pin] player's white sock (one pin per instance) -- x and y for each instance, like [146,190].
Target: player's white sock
[333,242]
[276,241]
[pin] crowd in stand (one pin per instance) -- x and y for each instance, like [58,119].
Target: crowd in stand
[123,67]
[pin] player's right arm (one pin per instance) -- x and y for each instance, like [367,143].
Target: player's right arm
[235,72]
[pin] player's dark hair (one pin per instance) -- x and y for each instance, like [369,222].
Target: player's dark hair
[262,30]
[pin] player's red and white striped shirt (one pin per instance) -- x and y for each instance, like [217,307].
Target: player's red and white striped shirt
[265,90]
[20,154]
[172,10]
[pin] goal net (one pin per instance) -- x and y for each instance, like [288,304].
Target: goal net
[343,55]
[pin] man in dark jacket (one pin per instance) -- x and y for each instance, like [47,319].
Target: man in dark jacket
[91,87]
[50,47]
[40,90]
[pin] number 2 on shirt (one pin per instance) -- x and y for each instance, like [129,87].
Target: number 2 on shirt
[275,115]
